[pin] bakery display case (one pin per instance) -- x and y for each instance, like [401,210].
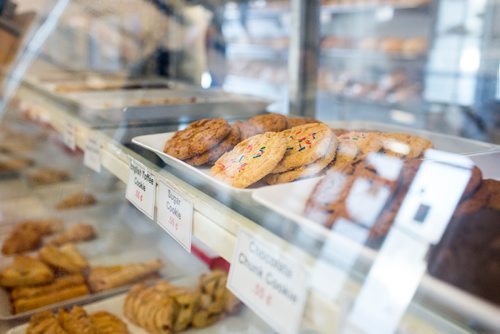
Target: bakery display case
[314,167]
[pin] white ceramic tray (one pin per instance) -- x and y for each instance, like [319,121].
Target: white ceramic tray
[244,322]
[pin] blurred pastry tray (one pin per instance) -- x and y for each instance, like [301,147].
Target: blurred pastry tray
[243,322]
[117,107]
[289,200]
[121,239]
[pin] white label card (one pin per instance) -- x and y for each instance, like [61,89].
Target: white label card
[268,281]
[92,154]
[175,215]
[69,135]
[141,188]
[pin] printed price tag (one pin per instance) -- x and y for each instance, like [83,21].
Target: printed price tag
[92,154]
[69,135]
[141,188]
[269,282]
[175,215]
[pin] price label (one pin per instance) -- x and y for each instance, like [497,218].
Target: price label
[69,135]
[92,154]
[175,215]
[269,282]
[141,188]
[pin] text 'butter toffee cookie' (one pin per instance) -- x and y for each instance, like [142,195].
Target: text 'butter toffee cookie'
[250,160]
[197,138]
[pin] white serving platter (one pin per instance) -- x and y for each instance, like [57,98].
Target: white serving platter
[244,322]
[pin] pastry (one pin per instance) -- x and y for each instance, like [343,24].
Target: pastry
[78,232]
[47,176]
[44,323]
[76,321]
[28,304]
[76,200]
[306,144]
[151,309]
[391,45]
[104,278]
[269,123]
[27,235]
[24,271]
[215,301]
[59,284]
[107,323]
[250,160]
[216,152]
[305,171]
[13,164]
[166,308]
[65,258]
[197,138]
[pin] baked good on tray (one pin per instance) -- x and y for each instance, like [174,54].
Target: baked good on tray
[78,232]
[76,321]
[61,289]
[197,138]
[109,277]
[211,155]
[65,258]
[24,271]
[27,235]
[45,176]
[166,308]
[250,160]
[76,200]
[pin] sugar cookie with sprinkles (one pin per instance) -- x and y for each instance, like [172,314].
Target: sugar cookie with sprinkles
[312,169]
[250,160]
[197,138]
[305,144]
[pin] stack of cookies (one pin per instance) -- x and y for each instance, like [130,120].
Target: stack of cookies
[276,149]
[276,157]
[206,140]
[203,141]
